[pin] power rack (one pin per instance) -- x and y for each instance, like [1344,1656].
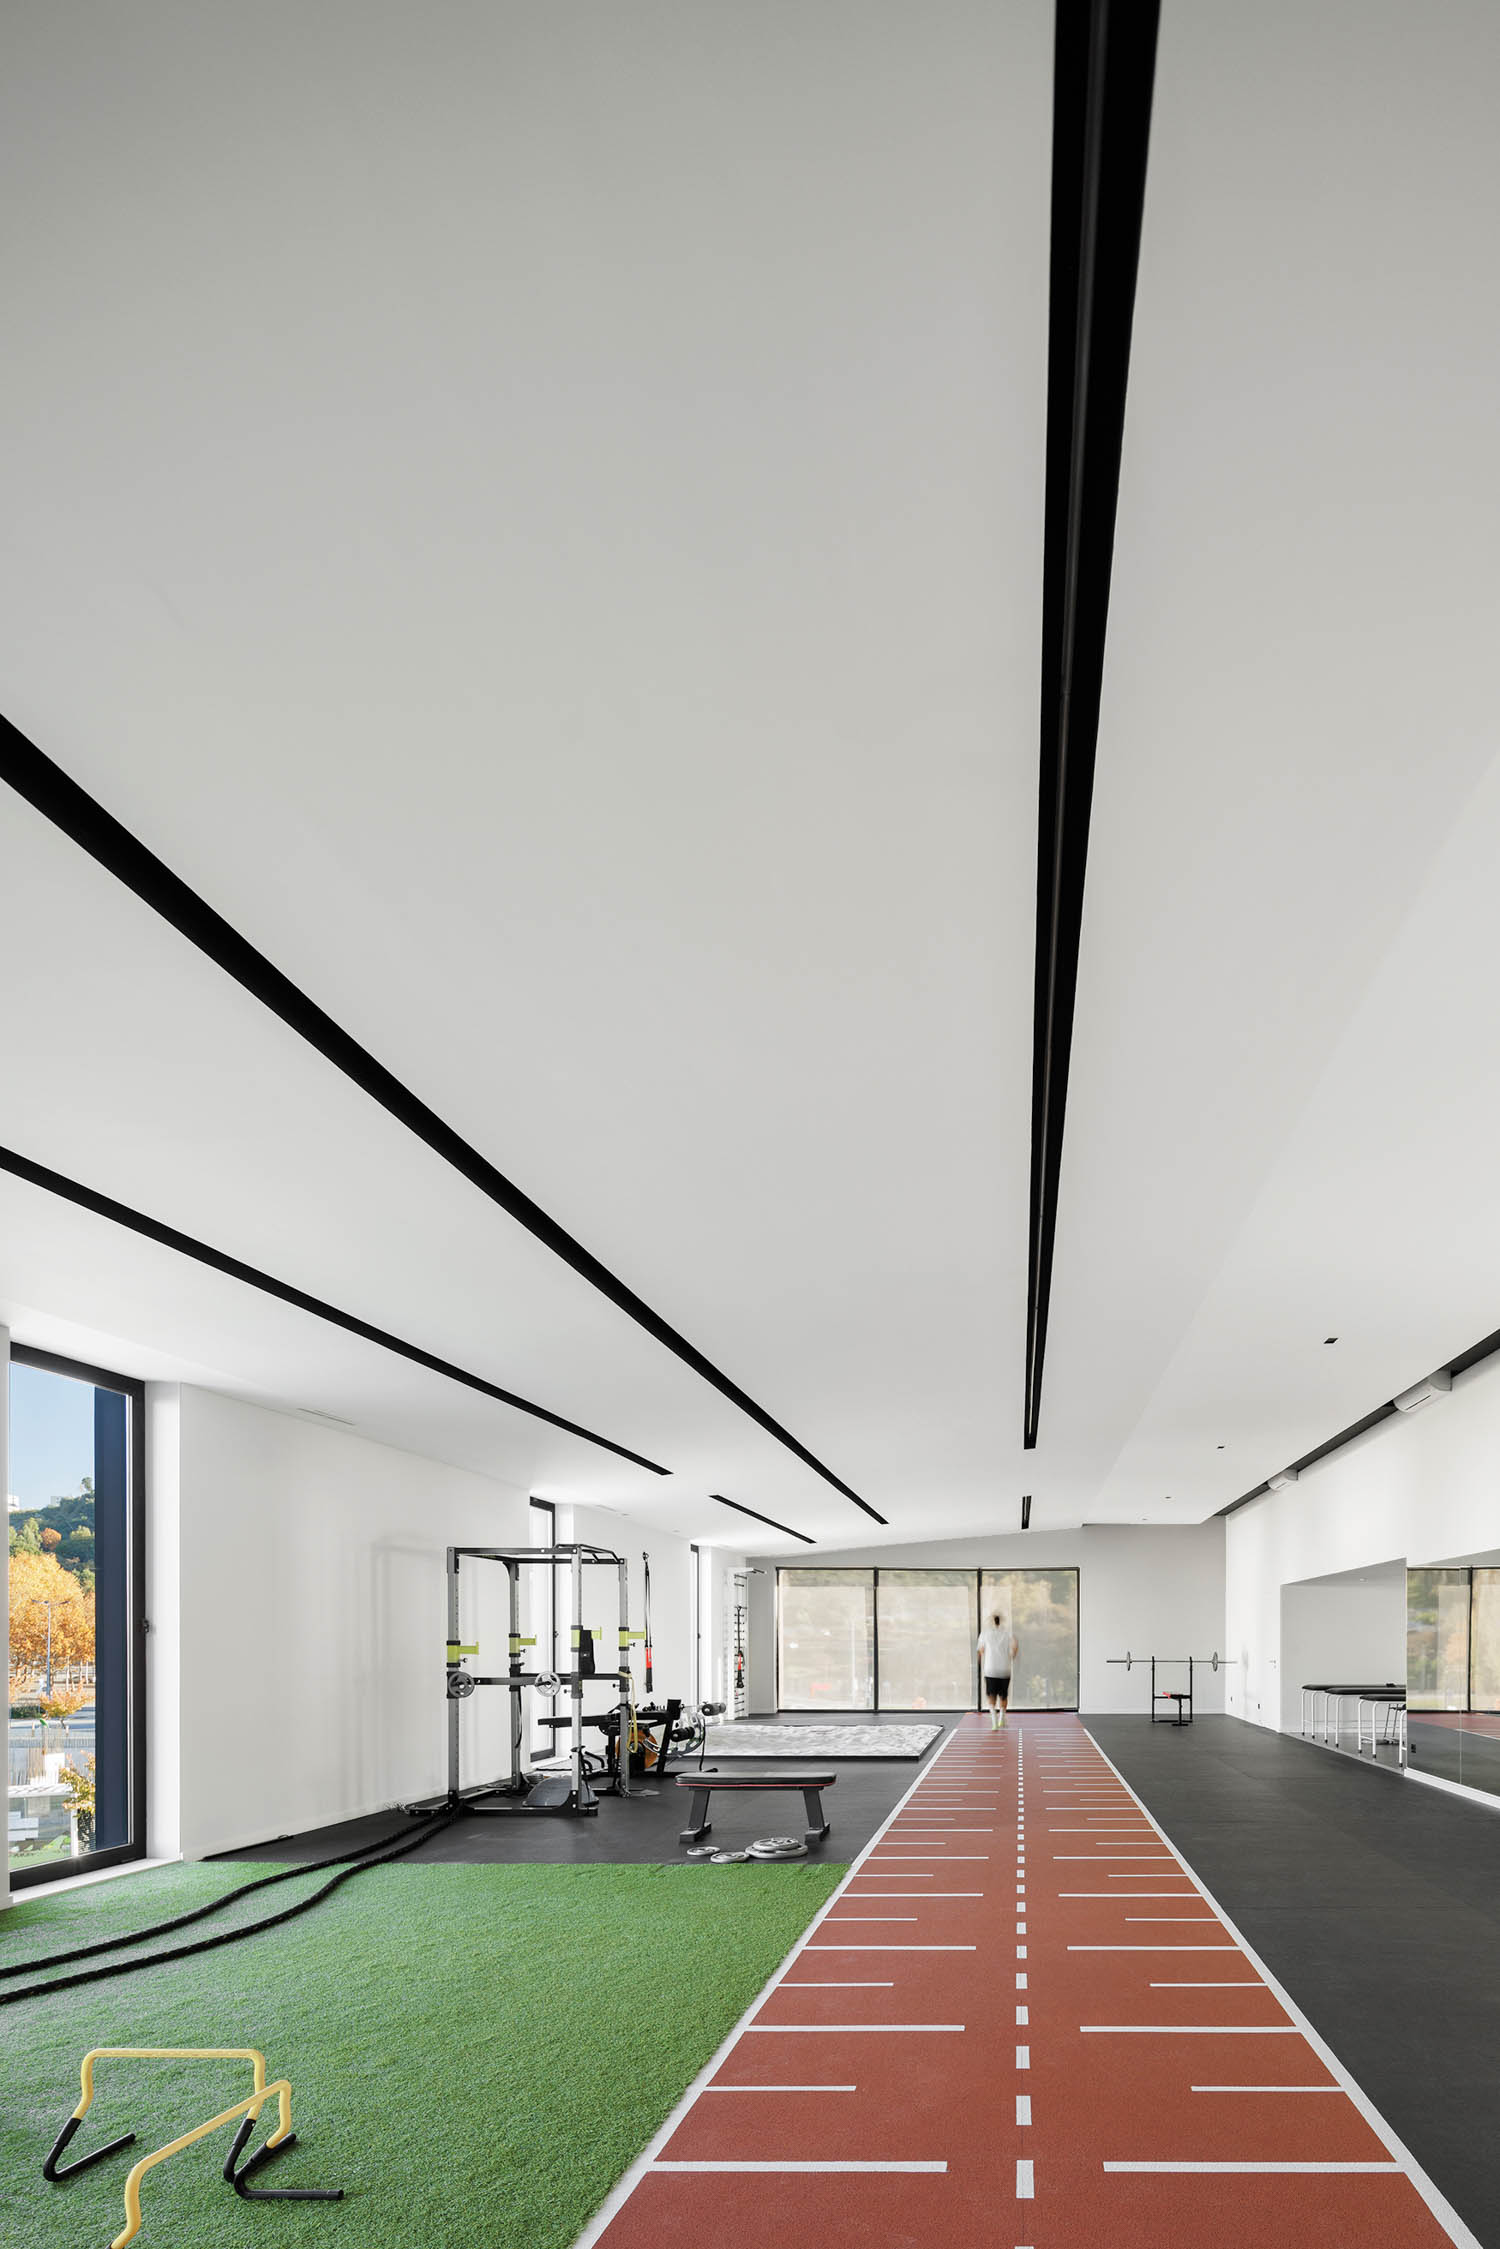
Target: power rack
[516,1791]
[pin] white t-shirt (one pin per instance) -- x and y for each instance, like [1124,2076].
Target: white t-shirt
[994,1649]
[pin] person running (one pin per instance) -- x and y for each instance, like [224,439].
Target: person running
[998,1649]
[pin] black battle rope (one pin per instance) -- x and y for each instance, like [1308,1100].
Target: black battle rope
[201,1912]
[362,1865]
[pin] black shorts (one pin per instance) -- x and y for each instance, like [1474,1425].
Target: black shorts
[998,1687]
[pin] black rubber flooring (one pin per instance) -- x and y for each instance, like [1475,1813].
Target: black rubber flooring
[640,1830]
[1374,1901]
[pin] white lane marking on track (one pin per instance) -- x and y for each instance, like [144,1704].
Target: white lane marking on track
[1153,1948]
[892,1948]
[1024,2188]
[1266,2089]
[1255,2167]
[1241,1983]
[1023,2108]
[660,2165]
[1023,2057]
[781,2088]
[842,2030]
[625,2186]
[1192,2030]
[1137,1897]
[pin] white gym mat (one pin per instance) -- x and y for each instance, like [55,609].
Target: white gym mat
[744,1739]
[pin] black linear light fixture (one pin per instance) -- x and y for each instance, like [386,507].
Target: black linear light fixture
[741,1509]
[152,1229]
[1105,64]
[1026,1511]
[70,808]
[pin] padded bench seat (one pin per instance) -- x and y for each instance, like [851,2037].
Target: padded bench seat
[809,1785]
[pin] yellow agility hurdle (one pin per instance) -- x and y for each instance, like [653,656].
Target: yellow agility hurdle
[237,2174]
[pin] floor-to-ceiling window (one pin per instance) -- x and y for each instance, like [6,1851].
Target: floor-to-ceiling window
[1043,1609]
[906,1639]
[825,1639]
[925,1632]
[1484,1641]
[1437,1639]
[76,1744]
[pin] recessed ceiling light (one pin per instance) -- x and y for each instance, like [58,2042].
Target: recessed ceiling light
[1218,1448]
[1330,1339]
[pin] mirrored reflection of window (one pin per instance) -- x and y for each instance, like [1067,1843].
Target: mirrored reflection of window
[926,1637]
[1437,1639]
[1484,1641]
[826,1639]
[76,1660]
[1043,1609]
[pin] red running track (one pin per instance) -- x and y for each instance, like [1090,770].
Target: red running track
[1021,2021]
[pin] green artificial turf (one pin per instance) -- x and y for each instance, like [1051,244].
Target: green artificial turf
[475,2052]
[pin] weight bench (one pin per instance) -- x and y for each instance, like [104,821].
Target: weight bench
[808,1785]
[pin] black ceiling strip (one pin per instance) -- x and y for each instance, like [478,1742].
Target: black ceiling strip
[1319,1452]
[1105,55]
[1026,1512]
[59,799]
[775,1526]
[1460,1363]
[120,1214]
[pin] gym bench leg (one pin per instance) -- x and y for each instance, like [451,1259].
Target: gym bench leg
[817,1826]
[698,1818]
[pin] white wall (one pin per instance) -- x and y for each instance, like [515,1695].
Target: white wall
[672,1601]
[1148,1588]
[1347,1629]
[311,1592]
[1422,1487]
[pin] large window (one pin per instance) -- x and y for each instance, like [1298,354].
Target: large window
[825,1622]
[1437,1639]
[925,1622]
[1484,1641]
[905,1639]
[77,1646]
[1043,1609]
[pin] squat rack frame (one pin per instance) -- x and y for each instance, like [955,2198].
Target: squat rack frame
[580,1798]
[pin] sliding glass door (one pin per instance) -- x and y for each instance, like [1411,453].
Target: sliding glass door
[906,1639]
[76,1741]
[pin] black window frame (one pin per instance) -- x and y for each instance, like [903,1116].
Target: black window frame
[870,1570]
[136,1627]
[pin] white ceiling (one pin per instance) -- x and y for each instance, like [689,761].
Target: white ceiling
[537,515]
